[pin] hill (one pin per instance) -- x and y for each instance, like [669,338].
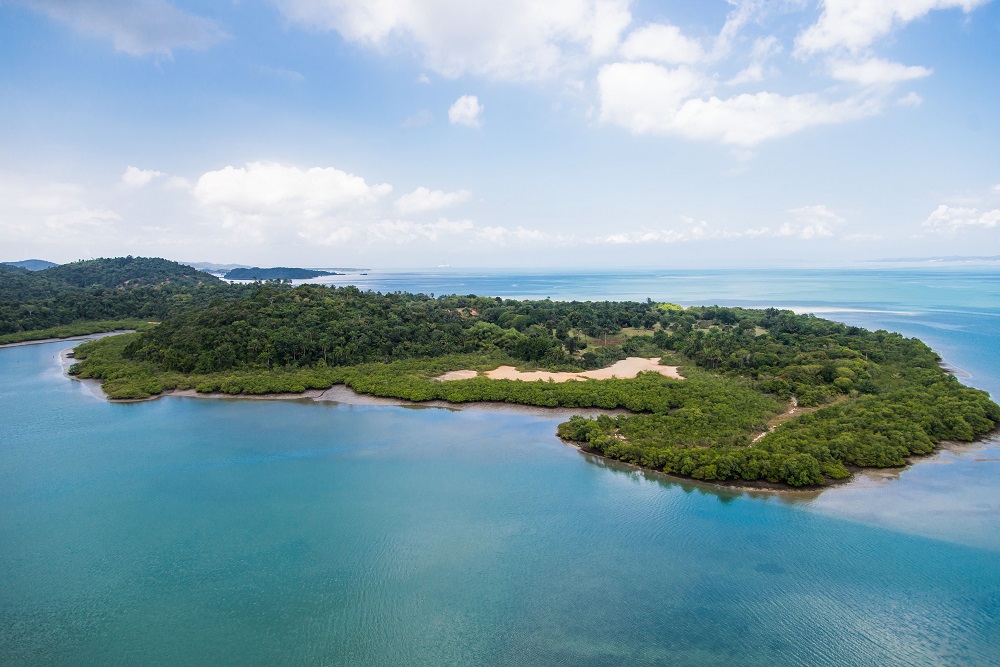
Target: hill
[32,264]
[276,273]
[105,291]
[126,272]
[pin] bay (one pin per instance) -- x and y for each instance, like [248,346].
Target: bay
[191,531]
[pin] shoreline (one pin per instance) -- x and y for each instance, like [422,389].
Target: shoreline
[341,394]
[344,395]
[79,337]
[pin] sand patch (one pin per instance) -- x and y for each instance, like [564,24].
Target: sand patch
[457,375]
[625,369]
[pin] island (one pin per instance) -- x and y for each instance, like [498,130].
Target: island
[33,264]
[720,394]
[276,273]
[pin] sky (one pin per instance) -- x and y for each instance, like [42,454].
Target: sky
[500,133]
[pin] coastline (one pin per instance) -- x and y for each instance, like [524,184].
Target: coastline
[79,337]
[339,393]
[345,395]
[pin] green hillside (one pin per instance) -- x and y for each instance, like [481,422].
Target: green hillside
[864,399]
[126,272]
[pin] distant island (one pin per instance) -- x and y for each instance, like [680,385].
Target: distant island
[719,394]
[944,259]
[32,264]
[276,273]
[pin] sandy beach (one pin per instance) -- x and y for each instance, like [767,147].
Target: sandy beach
[625,369]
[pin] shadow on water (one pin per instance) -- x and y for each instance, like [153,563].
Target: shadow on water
[723,493]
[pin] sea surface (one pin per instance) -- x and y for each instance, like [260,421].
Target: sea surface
[188,531]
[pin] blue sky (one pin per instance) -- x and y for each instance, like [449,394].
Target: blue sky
[568,133]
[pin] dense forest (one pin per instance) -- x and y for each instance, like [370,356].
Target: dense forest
[276,273]
[115,291]
[863,399]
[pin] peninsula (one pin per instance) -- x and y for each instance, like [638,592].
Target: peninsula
[712,393]
[276,273]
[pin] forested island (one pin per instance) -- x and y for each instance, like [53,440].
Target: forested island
[276,273]
[860,398]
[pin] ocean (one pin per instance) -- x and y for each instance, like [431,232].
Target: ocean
[245,532]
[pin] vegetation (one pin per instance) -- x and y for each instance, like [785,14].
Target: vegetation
[277,273]
[32,264]
[101,290]
[870,398]
[126,271]
[78,329]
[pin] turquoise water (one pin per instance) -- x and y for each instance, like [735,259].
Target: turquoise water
[189,531]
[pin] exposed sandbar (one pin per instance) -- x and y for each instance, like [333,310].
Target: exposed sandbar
[626,369]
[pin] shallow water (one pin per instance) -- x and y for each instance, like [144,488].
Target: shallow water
[188,531]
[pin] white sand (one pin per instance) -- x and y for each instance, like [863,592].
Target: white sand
[624,369]
[457,375]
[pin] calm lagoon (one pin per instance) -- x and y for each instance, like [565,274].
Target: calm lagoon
[191,531]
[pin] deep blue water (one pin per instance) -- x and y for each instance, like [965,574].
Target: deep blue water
[189,531]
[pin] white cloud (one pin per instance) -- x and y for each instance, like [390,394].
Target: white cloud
[424,199]
[811,222]
[268,187]
[649,99]
[500,235]
[911,99]
[644,97]
[856,24]
[50,213]
[136,27]
[265,200]
[466,111]
[876,71]
[696,230]
[136,178]
[951,219]
[764,49]
[405,231]
[996,189]
[662,42]
[861,237]
[516,39]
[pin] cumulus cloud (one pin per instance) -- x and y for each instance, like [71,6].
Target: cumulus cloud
[517,39]
[951,219]
[466,111]
[811,222]
[645,97]
[137,178]
[265,199]
[272,187]
[662,42]
[650,99]
[876,71]
[854,25]
[424,199]
[136,27]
